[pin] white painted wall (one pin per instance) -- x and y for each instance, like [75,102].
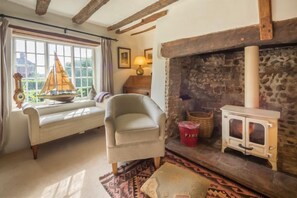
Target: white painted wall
[191,18]
[17,134]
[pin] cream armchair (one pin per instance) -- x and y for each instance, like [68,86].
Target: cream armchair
[135,129]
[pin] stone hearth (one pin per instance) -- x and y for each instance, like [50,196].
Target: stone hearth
[217,79]
[239,168]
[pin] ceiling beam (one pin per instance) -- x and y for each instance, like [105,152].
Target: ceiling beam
[285,32]
[142,13]
[265,18]
[149,19]
[146,30]
[85,13]
[42,6]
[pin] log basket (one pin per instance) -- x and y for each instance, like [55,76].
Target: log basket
[205,119]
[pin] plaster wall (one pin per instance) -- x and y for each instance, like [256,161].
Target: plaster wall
[193,18]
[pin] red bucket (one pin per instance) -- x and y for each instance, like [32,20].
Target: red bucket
[188,133]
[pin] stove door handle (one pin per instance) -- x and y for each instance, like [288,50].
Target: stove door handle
[247,148]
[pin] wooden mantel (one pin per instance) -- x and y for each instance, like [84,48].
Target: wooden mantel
[285,32]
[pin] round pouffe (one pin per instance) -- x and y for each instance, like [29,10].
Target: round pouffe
[188,133]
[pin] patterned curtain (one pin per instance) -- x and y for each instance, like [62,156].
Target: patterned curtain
[106,77]
[4,96]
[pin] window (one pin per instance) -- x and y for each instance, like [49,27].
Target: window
[34,59]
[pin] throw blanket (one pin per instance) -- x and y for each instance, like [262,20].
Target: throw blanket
[100,96]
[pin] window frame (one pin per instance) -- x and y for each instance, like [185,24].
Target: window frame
[46,59]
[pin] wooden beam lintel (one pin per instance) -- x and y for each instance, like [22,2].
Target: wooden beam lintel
[149,19]
[42,6]
[146,30]
[285,32]
[142,13]
[85,13]
[265,18]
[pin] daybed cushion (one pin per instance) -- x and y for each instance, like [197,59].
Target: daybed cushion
[135,127]
[69,115]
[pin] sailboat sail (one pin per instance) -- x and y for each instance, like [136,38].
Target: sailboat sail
[57,85]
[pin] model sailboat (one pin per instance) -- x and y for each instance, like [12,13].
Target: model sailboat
[57,85]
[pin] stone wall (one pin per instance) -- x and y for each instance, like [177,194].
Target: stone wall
[214,80]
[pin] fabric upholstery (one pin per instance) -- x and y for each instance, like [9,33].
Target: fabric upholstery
[60,120]
[135,128]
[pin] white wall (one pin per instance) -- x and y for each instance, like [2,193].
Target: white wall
[193,18]
[17,134]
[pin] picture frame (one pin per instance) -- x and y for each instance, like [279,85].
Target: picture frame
[124,58]
[148,54]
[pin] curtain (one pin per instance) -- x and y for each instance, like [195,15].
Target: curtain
[4,98]
[106,75]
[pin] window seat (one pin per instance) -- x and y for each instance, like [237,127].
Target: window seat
[51,122]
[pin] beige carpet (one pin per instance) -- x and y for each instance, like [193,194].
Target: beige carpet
[65,168]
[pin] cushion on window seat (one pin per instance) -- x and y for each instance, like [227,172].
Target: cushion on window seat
[135,127]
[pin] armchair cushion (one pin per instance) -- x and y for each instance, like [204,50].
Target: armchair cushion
[135,127]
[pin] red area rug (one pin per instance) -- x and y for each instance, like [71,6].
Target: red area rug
[132,175]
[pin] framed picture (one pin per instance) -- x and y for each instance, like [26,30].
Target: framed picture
[124,58]
[148,54]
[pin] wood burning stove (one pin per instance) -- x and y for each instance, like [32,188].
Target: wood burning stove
[251,131]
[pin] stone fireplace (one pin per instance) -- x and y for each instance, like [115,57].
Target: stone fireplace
[211,81]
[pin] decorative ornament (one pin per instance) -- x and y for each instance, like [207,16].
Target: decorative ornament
[19,95]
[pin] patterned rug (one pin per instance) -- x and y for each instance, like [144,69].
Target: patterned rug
[132,175]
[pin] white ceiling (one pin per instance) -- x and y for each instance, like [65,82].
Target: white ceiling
[109,14]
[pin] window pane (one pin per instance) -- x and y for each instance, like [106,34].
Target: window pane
[40,47]
[67,51]
[31,46]
[89,53]
[90,72]
[84,82]
[90,82]
[83,62]
[40,84]
[67,62]
[41,71]
[51,61]
[77,72]
[40,60]
[34,61]
[68,70]
[84,72]
[51,49]
[84,92]
[60,50]
[76,52]
[78,82]
[31,59]
[22,70]
[77,62]
[83,52]
[20,45]
[21,58]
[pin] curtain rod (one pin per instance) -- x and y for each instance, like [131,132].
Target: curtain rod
[55,26]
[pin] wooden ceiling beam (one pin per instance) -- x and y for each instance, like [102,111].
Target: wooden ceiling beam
[265,18]
[85,13]
[42,6]
[146,30]
[142,13]
[285,32]
[144,21]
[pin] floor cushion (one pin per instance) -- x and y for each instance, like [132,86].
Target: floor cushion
[173,181]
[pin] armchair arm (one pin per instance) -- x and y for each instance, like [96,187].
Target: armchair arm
[109,125]
[33,123]
[154,111]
